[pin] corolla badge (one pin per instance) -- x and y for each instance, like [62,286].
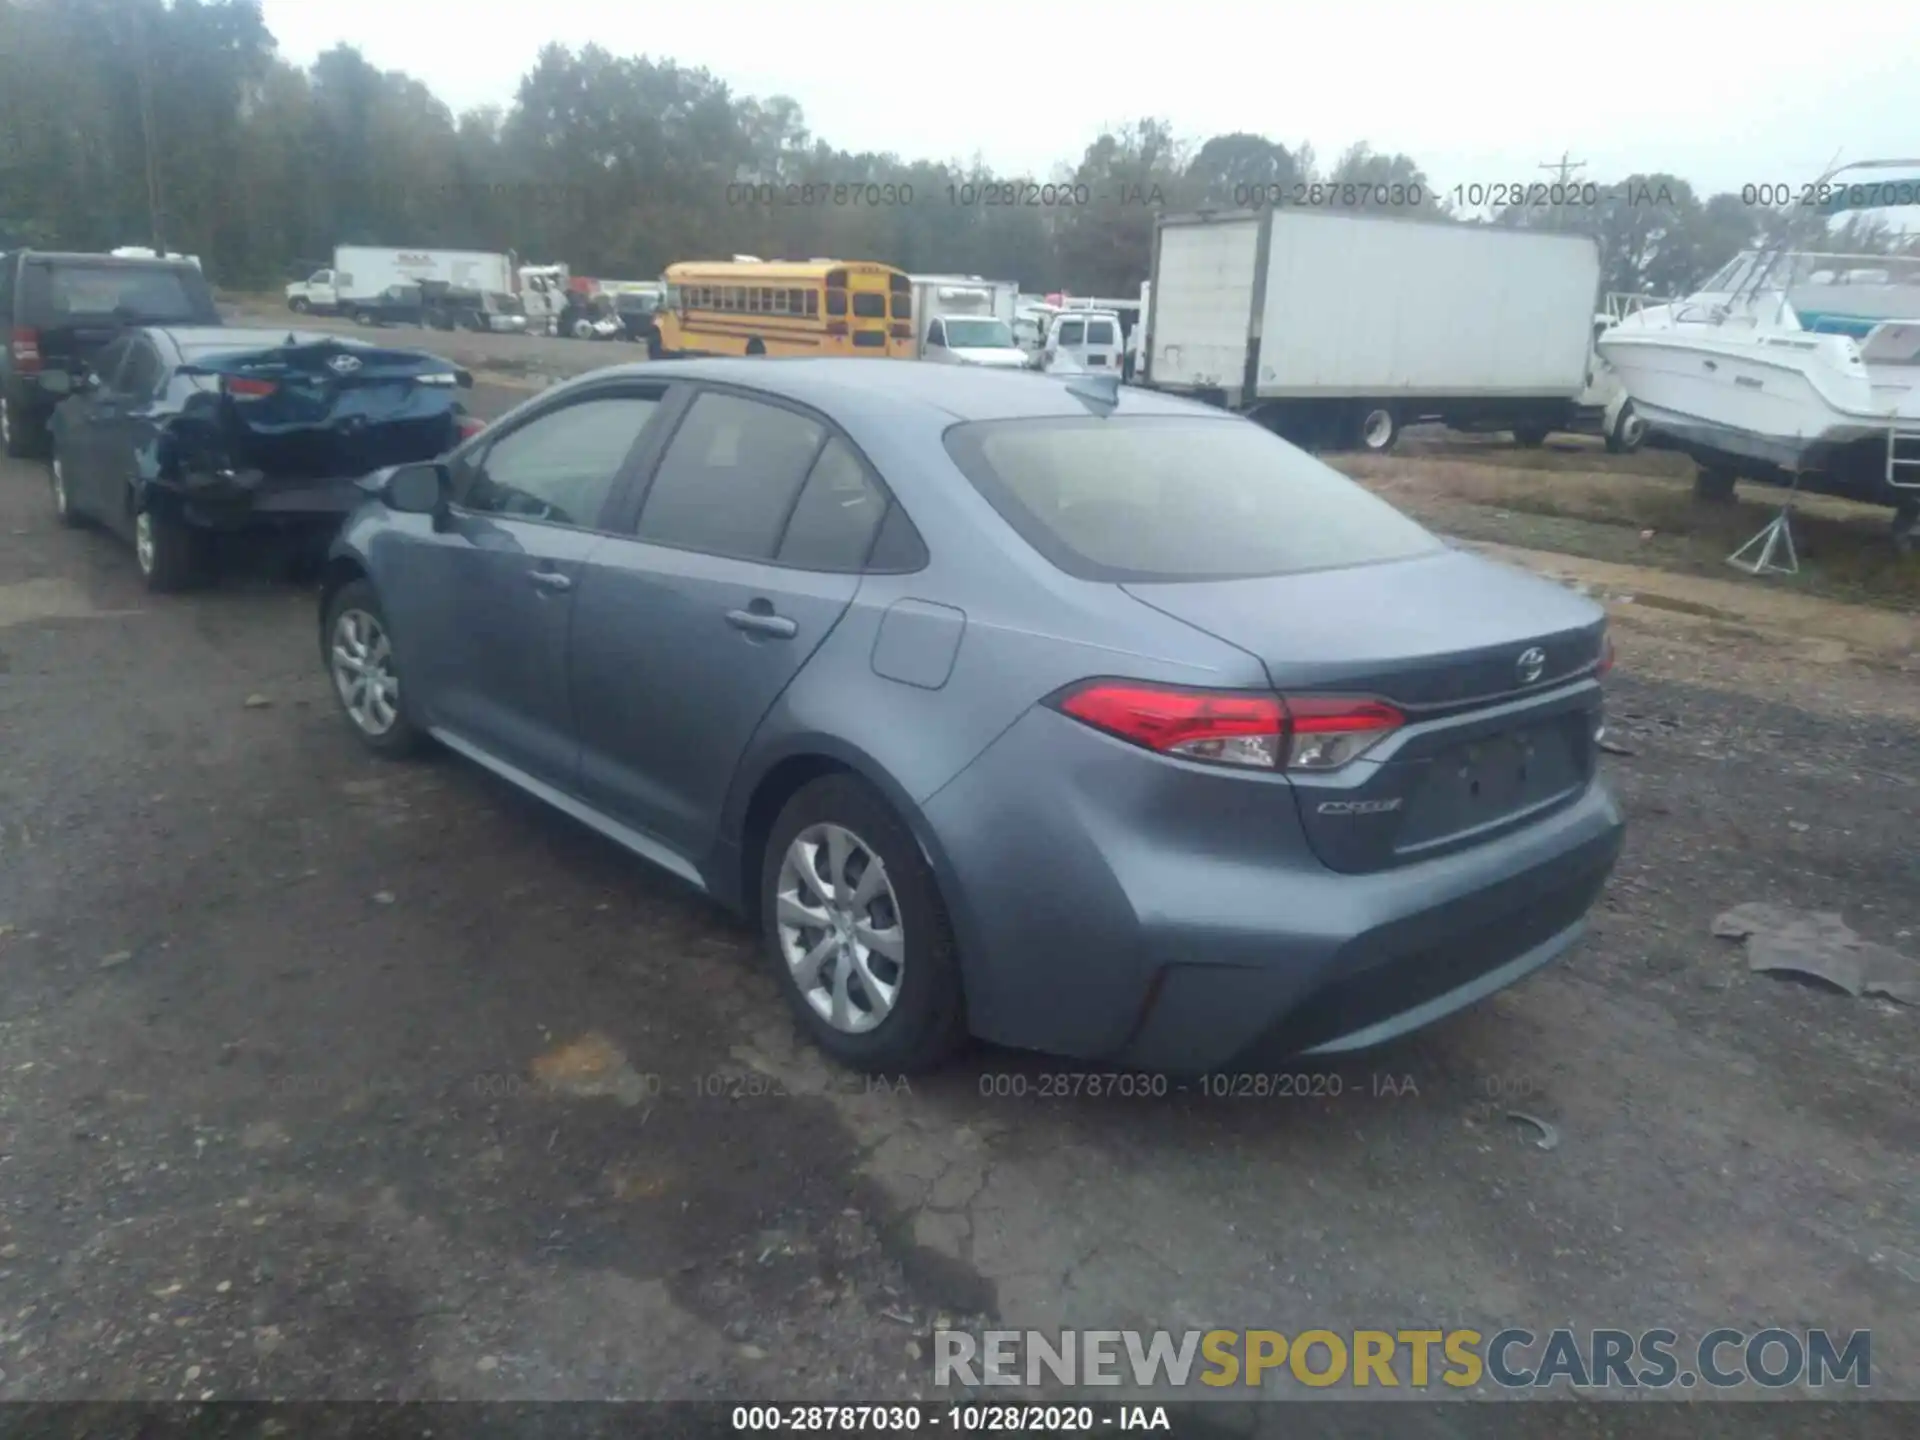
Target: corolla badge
[1531,665]
[343,364]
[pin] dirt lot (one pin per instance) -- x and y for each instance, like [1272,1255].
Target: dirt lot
[327,1078]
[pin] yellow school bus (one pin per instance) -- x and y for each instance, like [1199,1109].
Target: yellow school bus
[777,307]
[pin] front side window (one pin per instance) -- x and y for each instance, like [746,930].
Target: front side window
[727,481]
[1153,498]
[560,467]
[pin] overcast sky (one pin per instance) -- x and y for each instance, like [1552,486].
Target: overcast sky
[1476,91]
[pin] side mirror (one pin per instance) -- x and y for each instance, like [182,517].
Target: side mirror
[419,489]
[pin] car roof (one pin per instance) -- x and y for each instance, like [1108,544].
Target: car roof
[106,262]
[960,392]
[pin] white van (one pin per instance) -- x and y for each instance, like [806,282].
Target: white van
[1083,341]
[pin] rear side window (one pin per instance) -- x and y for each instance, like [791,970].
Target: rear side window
[837,515]
[729,478]
[133,294]
[1100,332]
[1176,498]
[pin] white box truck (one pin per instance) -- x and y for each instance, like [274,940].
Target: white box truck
[959,303]
[1337,330]
[363,271]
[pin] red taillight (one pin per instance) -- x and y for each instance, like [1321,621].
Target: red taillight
[470,426]
[1237,727]
[1324,732]
[242,388]
[26,350]
[1606,658]
[836,327]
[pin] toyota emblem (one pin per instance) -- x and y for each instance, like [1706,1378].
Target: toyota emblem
[1531,665]
[343,364]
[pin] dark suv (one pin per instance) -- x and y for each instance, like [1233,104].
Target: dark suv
[59,310]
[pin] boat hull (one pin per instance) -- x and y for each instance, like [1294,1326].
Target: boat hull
[1769,407]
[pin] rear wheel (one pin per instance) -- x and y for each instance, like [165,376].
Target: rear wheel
[1629,431]
[1377,430]
[171,554]
[366,680]
[756,346]
[1530,437]
[299,305]
[363,317]
[857,932]
[20,437]
[1714,485]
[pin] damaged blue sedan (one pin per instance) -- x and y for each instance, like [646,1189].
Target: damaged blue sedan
[177,434]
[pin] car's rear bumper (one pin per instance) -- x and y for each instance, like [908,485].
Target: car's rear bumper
[1105,914]
[247,501]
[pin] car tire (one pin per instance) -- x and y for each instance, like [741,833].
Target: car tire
[924,1024]
[63,507]
[19,436]
[756,346]
[170,554]
[358,647]
[1530,437]
[299,305]
[363,317]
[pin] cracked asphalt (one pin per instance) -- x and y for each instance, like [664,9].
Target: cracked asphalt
[328,1078]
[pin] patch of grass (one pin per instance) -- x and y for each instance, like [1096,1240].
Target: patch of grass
[1845,550]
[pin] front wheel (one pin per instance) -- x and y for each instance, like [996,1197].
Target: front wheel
[299,305]
[857,933]
[63,509]
[170,553]
[366,680]
[363,317]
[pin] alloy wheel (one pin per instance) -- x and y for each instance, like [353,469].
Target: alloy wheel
[143,545]
[59,480]
[839,928]
[363,673]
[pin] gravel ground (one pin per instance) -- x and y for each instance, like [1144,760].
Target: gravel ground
[335,1079]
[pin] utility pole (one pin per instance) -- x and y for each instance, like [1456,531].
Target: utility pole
[142,58]
[1562,168]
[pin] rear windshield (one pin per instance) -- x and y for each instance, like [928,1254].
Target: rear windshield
[870,307]
[160,295]
[1099,332]
[1176,498]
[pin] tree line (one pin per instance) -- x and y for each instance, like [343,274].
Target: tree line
[144,121]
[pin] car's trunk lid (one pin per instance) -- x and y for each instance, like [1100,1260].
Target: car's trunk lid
[1492,668]
[310,410]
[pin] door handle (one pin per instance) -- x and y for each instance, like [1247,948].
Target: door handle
[550,580]
[763,622]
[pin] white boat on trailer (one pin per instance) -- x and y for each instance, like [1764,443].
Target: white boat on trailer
[1792,365]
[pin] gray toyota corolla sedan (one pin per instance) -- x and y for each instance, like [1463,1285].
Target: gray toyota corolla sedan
[1070,716]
